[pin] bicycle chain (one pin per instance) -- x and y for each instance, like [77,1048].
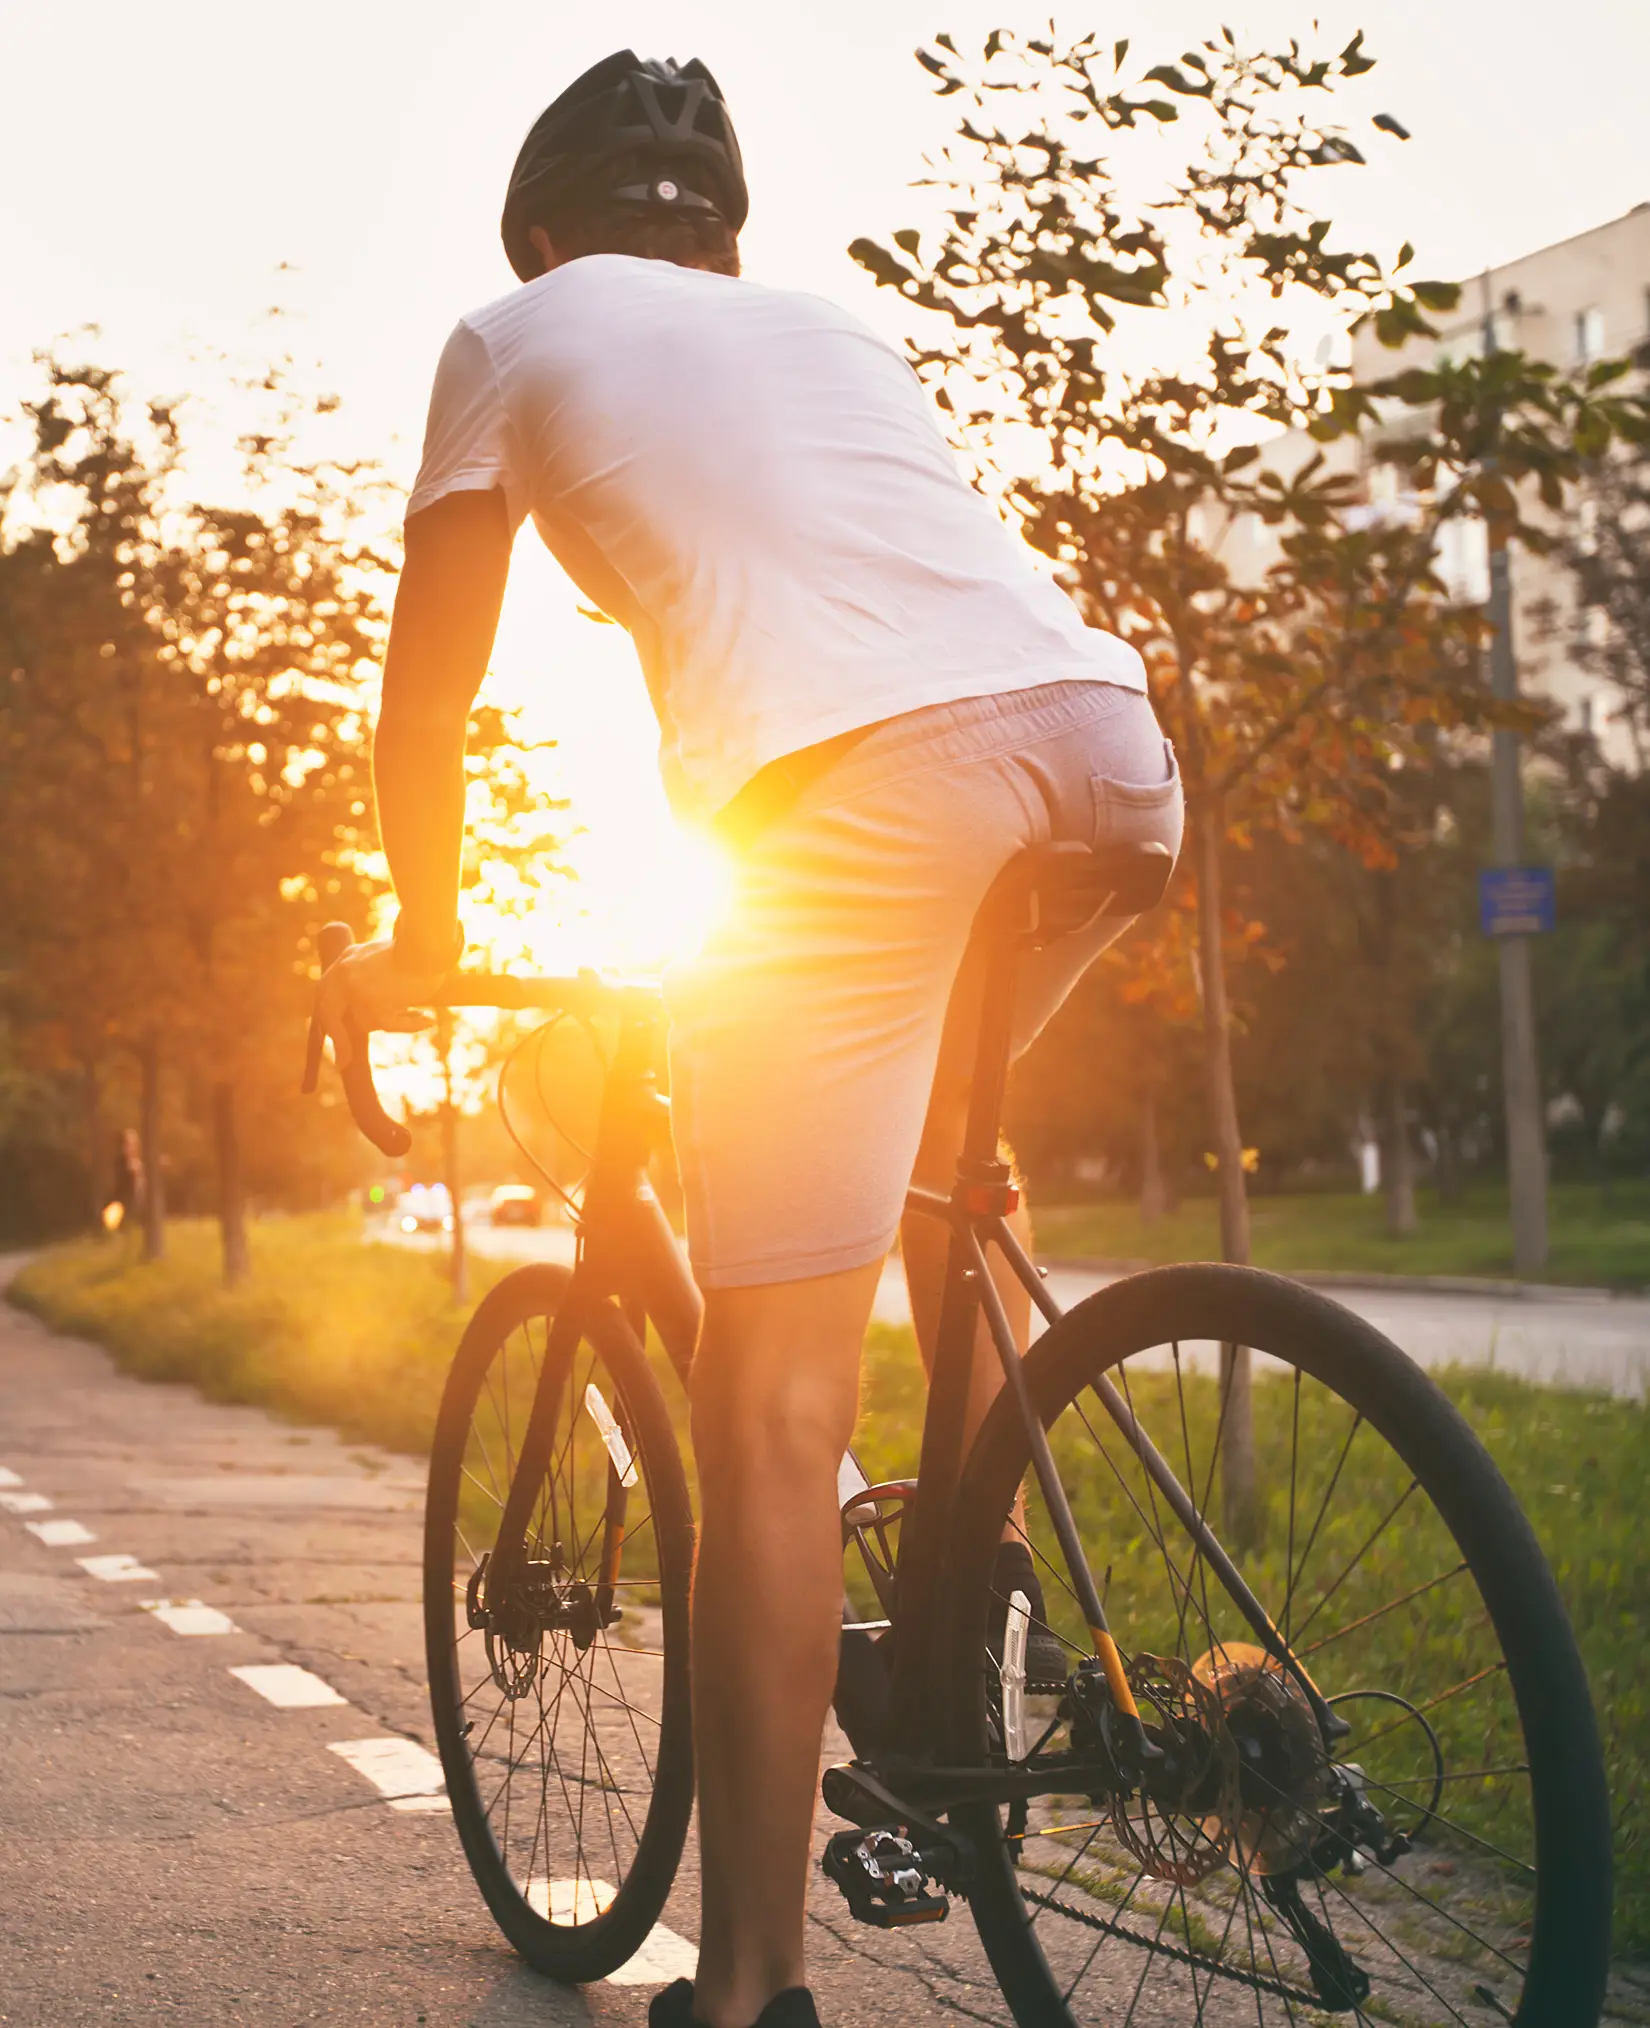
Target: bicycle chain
[1257,1981]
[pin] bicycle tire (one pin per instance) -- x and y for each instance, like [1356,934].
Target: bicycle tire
[1569,1809]
[598,1936]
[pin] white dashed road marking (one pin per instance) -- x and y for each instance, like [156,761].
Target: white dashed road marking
[24,1503]
[404,1773]
[569,1900]
[117,1569]
[284,1683]
[60,1534]
[188,1616]
[663,1955]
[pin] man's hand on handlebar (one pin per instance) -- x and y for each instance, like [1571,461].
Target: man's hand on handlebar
[372,986]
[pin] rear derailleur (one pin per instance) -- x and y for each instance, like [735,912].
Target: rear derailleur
[1352,1829]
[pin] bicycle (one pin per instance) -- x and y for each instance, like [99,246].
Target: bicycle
[1382,1797]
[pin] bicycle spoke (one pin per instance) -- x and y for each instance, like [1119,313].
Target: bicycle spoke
[1368,1619]
[564,1772]
[1354,1560]
[1375,1535]
[1296,1572]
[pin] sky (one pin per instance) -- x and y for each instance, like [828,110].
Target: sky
[173,170]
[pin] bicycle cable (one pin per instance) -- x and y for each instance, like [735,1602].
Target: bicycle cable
[538,1036]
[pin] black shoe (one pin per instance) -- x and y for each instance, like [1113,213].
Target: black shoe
[673,2008]
[1048,1660]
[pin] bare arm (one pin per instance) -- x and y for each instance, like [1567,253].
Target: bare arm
[446,614]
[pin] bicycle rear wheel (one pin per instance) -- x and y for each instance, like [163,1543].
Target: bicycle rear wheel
[1447,1860]
[562,1717]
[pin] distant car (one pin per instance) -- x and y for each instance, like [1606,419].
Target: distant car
[515,1204]
[426,1207]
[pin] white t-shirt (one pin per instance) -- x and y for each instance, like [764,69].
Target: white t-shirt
[755,485]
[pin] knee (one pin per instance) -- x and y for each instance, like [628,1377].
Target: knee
[767,1416]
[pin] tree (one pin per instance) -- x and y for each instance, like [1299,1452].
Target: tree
[1289,697]
[1609,563]
[513,857]
[181,745]
[1140,474]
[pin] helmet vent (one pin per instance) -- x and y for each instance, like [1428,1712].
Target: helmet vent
[671,99]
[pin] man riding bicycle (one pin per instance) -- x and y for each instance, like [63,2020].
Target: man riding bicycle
[862,682]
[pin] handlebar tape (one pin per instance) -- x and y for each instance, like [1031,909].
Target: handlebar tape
[388,1135]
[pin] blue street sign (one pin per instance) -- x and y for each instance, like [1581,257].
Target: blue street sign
[1516,901]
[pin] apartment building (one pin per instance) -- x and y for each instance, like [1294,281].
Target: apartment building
[1585,298]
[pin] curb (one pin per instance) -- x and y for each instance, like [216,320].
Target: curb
[1420,1285]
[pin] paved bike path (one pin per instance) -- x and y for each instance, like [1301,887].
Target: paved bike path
[177,1847]
[1558,1336]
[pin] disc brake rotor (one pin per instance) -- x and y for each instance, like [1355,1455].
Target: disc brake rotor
[1178,1824]
[1282,1768]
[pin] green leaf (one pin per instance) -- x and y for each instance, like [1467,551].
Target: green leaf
[879,263]
[1388,125]
[1416,387]
[908,240]
[1436,295]
[993,43]
[1406,253]
[1593,434]
[1119,50]
[945,42]
[1603,371]
[931,63]
[1354,62]
[1176,80]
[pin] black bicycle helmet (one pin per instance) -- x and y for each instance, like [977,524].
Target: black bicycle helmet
[632,130]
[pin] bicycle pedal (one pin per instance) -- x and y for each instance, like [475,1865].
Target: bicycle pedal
[883,1879]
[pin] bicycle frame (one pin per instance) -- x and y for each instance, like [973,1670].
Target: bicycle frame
[629,1255]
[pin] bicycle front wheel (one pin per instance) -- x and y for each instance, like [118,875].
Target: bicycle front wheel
[1439,1850]
[562,1710]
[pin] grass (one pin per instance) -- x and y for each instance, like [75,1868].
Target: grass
[324,1330]
[1600,1234]
[359,1337]
[1576,1462]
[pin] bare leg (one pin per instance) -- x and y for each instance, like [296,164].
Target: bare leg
[775,1389]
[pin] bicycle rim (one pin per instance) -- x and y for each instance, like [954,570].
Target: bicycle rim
[1462,1876]
[562,1709]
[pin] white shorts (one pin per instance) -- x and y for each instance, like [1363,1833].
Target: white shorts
[807,1036]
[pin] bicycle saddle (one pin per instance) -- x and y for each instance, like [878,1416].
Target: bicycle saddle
[1050,891]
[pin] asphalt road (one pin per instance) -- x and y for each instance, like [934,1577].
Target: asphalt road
[1563,1337]
[174,1846]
